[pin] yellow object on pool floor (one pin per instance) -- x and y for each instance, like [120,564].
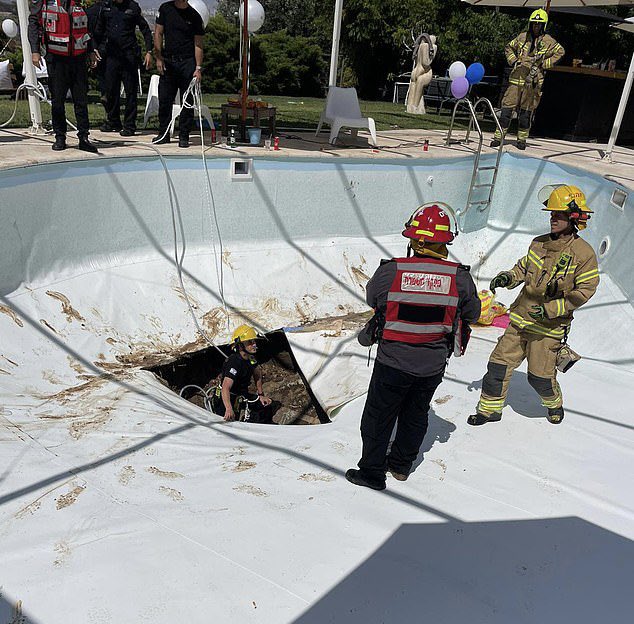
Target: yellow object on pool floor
[490,308]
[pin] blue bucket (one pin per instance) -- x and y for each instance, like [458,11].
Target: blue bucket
[255,134]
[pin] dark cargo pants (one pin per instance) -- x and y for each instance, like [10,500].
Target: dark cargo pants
[397,397]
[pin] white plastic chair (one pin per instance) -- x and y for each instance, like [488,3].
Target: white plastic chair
[343,110]
[152,106]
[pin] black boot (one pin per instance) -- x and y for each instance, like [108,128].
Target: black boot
[183,141]
[495,143]
[482,419]
[521,145]
[355,476]
[555,415]
[86,146]
[162,138]
[108,127]
[60,143]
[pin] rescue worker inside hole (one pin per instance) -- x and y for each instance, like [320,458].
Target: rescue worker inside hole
[426,304]
[530,54]
[232,399]
[559,274]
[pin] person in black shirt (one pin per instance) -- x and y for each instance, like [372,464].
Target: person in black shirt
[233,396]
[118,47]
[178,48]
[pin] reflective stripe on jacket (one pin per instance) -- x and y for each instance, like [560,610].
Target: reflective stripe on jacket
[561,275]
[64,33]
[422,301]
[545,54]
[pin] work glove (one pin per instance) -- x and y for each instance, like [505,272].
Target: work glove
[537,312]
[501,280]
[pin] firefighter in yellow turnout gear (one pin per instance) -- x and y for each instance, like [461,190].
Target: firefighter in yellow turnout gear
[559,274]
[530,54]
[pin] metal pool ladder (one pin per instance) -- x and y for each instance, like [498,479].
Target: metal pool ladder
[473,121]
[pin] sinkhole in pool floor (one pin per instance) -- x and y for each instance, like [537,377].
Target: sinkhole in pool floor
[283,380]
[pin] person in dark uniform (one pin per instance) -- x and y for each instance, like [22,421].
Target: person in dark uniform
[178,49]
[118,47]
[233,399]
[425,304]
[61,26]
[94,12]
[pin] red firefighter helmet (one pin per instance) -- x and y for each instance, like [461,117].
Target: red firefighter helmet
[432,223]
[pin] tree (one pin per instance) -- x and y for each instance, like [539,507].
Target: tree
[294,16]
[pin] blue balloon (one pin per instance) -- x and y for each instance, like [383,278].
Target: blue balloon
[475,73]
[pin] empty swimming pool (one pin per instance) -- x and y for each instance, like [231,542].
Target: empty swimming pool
[122,502]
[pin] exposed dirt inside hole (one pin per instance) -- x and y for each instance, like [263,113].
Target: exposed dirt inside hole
[282,379]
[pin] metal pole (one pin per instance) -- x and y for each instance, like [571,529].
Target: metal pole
[625,96]
[29,70]
[245,65]
[336,37]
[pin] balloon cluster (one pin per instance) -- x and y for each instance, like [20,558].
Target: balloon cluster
[462,77]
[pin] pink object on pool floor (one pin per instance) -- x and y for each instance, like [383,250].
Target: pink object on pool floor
[501,321]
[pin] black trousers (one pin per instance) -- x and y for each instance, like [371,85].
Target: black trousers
[394,397]
[177,76]
[64,73]
[121,68]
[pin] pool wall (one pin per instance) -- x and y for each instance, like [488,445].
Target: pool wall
[300,238]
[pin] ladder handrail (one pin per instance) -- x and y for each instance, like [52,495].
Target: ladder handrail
[473,121]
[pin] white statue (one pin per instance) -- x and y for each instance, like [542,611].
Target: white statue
[423,54]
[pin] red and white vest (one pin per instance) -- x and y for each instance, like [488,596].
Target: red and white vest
[422,301]
[65,33]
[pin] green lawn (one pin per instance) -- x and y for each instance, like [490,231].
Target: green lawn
[291,113]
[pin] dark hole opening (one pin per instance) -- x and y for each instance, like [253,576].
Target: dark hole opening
[282,377]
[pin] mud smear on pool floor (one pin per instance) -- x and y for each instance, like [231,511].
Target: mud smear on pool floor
[283,380]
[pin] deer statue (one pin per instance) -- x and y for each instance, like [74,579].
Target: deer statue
[424,51]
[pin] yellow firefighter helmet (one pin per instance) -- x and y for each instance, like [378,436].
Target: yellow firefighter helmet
[539,17]
[566,198]
[244,333]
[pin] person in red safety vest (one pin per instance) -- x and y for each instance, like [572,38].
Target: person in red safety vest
[423,307]
[61,27]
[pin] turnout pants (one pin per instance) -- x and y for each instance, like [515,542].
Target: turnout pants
[121,69]
[525,100]
[512,348]
[177,77]
[394,397]
[68,72]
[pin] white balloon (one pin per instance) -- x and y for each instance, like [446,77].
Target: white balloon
[201,8]
[457,70]
[9,28]
[255,15]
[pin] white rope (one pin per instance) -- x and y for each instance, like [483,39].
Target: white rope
[196,103]
[37,89]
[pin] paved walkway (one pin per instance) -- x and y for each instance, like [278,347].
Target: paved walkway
[19,148]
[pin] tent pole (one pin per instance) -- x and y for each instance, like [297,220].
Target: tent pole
[29,70]
[336,37]
[625,96]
